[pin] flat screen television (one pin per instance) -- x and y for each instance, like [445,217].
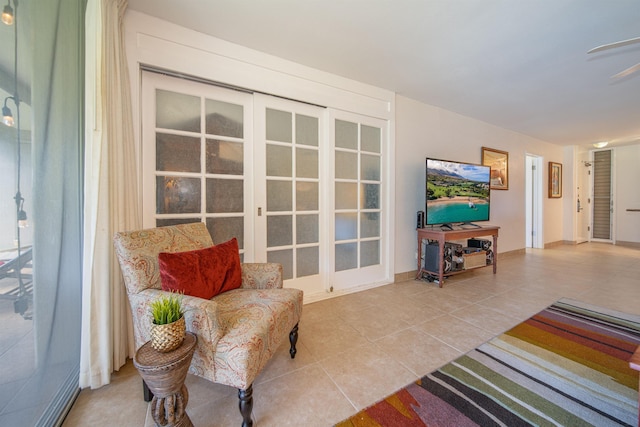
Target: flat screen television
[456,192]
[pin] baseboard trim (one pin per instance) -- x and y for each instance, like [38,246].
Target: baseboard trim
[551,245]
[635,245]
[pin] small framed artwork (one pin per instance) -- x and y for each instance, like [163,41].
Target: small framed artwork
[499,162]
[555,180]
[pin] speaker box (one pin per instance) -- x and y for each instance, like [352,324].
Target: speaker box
[431,258]
[420,219]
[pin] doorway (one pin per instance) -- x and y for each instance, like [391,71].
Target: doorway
[602,189]
[533,202]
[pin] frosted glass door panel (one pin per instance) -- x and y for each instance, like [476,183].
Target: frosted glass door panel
[346,256]
[370,196]
[369,167]
[225,195]
[284,257]
[177,111]
[370,139]
[346,165]
[224,157]
[346,226]
[369,253]
[370,224]
[177,195]
[279,230]
[306,163]
[177,153]
[307,227]
[224,118]
[225,228]
[346,135]
[307,261]
[279,196]
[279,126]
[307,196]
[307,132]
[278,161]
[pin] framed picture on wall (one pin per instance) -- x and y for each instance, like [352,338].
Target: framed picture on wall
[555,180]
[499,162]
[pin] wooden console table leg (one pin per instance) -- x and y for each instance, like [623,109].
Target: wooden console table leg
[495,253]
[441,262]
[419,274]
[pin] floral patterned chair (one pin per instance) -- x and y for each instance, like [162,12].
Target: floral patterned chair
[238,331]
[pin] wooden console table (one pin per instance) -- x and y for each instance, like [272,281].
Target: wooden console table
[164,374]
[442,236]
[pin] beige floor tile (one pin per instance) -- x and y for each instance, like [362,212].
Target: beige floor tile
[281,363]
[307,397]
[375,322]
[441,300]
[493,321]
[417,351]
[457,333]
[366,374]
[331,337]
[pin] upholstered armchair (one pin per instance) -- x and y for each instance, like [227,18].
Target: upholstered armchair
[237,331]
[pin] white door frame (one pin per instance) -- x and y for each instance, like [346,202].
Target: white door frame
[583,198]
[533,202]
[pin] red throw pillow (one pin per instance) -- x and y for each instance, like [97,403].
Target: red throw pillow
[204,272]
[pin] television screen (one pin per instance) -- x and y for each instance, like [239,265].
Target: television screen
[456,192]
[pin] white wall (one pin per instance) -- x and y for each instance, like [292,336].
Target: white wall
[427,131]
[626,193]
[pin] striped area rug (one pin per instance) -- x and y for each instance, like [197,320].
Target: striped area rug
[568,365]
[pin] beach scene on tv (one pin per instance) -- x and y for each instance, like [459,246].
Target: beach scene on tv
[457,192]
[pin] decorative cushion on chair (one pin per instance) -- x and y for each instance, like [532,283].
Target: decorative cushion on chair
[202,273]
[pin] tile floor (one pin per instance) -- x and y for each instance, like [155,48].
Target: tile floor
[356,349]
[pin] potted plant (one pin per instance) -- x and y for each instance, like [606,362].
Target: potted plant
[168,329]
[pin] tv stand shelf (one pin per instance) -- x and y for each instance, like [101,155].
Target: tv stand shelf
[442,236]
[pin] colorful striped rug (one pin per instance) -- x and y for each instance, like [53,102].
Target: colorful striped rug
[568,365]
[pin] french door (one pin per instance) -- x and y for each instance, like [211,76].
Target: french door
[357,201]
[195,154]
[295,183]
[288,181]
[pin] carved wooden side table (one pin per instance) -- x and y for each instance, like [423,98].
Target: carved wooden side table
[164,374]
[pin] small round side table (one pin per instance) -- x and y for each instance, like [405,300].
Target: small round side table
[164,374]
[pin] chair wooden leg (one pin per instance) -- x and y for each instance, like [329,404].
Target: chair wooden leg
[293,339]
[246,405]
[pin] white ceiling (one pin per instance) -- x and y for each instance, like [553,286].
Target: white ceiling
[518,64]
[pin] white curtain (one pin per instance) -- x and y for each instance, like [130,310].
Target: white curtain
[111,196]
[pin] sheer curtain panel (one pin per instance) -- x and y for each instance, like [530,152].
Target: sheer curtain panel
[111,197]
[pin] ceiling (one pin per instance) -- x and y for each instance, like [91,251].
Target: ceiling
[517,64]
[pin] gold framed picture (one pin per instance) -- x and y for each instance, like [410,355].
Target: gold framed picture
[555,180]
[499,162]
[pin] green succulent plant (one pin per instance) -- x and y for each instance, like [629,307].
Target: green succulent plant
[167,309]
